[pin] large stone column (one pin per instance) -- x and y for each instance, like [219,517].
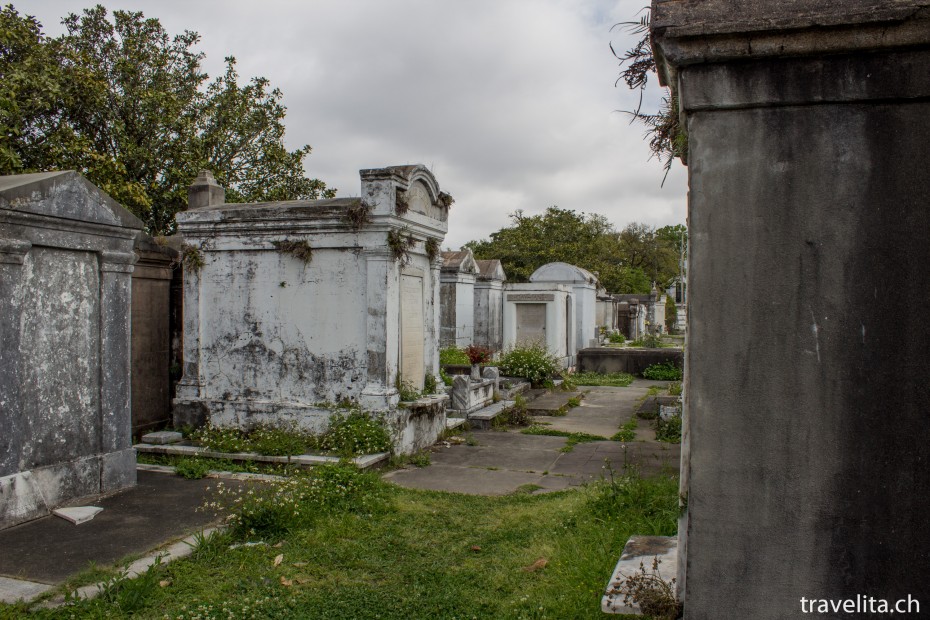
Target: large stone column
[12,253]
[117,467]
[805,465]
[381,297]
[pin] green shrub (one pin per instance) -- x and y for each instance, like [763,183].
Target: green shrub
[445,377]
[616,338]
[405,389]
[452,355]
[354,433]
[666,371]
[429,384]
[192,468]
[533,362]
[674,389]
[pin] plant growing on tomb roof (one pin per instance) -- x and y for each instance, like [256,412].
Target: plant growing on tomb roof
[358,216]
[401,205]
[400,242]
[432,249]
[446,200]
[298,249]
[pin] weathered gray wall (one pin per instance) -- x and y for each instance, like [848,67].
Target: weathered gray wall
[807,443]
[65,264]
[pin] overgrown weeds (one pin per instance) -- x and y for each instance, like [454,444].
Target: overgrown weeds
[665,371]
[614,379]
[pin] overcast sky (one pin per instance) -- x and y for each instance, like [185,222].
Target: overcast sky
[511,103]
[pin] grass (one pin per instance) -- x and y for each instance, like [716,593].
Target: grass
[573,438]
[627,432]
[614,379]
[424,555]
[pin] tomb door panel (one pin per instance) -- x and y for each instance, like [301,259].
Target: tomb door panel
[531,323]
[412,334]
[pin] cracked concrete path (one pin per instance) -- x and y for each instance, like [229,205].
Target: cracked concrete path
[500,462]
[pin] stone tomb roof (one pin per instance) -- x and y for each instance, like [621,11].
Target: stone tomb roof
[65,194]
[462,261]
[562,272]
[491,269]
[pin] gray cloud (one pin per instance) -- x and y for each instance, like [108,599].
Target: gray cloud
[510,102]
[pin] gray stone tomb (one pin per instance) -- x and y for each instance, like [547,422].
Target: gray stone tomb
[805,438]
[66,259]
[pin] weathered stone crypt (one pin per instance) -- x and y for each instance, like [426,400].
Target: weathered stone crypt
[291,306]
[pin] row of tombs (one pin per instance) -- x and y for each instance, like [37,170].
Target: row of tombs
[252,314]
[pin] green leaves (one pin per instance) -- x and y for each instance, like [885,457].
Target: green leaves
[126,103]
[625,262]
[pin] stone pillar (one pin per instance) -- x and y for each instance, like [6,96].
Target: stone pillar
[381,268]
[806,437]
[205,192]
[117,468]
[12,254]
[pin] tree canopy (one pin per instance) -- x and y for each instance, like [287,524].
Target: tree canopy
[127,104]
[628,261]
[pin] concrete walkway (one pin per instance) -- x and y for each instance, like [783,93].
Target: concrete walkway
[161,508]
[495,462]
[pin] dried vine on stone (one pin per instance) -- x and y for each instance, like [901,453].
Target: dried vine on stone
[667,139]
[432,249]
[400,242]
[298,249]
[358,216]
[446,200]
[192,258]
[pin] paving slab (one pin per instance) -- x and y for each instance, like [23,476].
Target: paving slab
[159,509]
[550,403]
[13,590]
[499,462]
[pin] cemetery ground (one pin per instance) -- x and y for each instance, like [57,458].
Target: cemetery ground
[512,522]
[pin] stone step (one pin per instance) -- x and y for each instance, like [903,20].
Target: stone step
[640,550]
[484,417]
[553,403]
[362,462]
[455,422]
[162,437]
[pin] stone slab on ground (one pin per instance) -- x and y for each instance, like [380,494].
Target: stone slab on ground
[78,514]
[13,590]
[162,437]
[640,551]
[551,403]
[161,508]
[602,412]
